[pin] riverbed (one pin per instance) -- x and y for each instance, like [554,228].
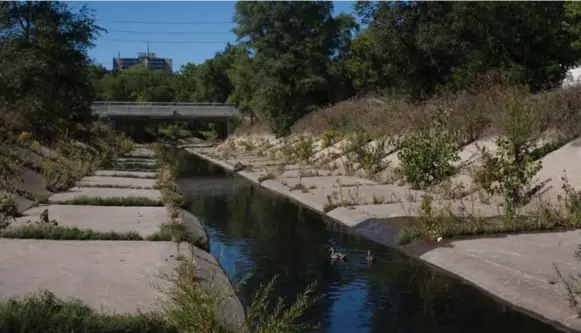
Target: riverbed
[253,230]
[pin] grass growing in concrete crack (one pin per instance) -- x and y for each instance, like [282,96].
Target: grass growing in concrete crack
[44,312]
[187,307]
[174,231]
[123,175]
[65,233]
[119,186]
[135,201]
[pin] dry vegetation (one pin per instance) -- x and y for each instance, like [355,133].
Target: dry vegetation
[427,138]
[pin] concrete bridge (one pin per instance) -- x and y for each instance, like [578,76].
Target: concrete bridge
[206,111]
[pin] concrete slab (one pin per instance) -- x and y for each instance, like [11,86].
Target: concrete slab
[141,152]
[144,220]
[111,276]
[119,173]
[561,162]
[355,215]
[117,182]
[470,155]
[145,161]
[329,182]
[382,194]
[518,269]
[76,192]
[304,172]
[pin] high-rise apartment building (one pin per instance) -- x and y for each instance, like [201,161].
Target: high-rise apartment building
[148,59]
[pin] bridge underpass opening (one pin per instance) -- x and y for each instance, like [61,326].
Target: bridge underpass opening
[137,118]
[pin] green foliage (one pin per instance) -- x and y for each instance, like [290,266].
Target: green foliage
[304,149]
[511,169]
[572,203]
[135,201]
[437,44]
[44,66]
[369,156]
[55,232]
[8,210]
[330,138]
[43,312]
[287,84]
[427,156]
[57,177]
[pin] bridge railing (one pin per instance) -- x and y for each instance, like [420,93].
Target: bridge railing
[164,109]
[113,103]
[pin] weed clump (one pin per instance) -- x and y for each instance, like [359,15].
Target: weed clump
[330,137]
[510,171]
[44,312]
[427,156]
[135,201]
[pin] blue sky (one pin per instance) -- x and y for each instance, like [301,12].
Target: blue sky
[210,25]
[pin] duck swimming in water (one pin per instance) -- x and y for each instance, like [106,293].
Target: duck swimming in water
[336,255]
[370,256]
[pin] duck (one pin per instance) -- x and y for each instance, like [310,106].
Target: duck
[336,255]
[370,256]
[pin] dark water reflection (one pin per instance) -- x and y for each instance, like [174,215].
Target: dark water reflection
[253,230]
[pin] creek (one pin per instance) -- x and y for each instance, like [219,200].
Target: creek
[254,230]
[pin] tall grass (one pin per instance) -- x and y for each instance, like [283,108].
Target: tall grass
[188,307]
[136,201]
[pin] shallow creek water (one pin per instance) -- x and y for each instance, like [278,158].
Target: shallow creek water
[254,230]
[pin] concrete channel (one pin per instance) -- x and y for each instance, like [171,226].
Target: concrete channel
[109,276]
[515,269]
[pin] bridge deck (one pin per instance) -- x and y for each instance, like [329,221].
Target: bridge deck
[163,110]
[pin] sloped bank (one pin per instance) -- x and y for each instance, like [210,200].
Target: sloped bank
[516,269]
[122,274]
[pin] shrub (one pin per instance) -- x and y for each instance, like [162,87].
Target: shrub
[510,171]
[43,312]
[370,157]
[330,137]
[135,201]
[7,210]
[57,178]
[303,149]
[427,156]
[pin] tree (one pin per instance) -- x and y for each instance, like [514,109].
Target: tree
[184,83]
[212,81]
[421,46]
[291,45]
[44,65]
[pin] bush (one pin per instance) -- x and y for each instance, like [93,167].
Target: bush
[57,178]
[330,137]
[427,155]
[8,210]
[370,157]
[510,171]
[303,149]
[43,312]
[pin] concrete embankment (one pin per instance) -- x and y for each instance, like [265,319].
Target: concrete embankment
[122,276]
[516,268]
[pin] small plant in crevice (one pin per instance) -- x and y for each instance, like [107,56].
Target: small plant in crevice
[267,176]
[427,156]
[511,170]
[337,199]
[8,211]
[571,203]
[331,137]
[370,156]
[299,187]
[572,285]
